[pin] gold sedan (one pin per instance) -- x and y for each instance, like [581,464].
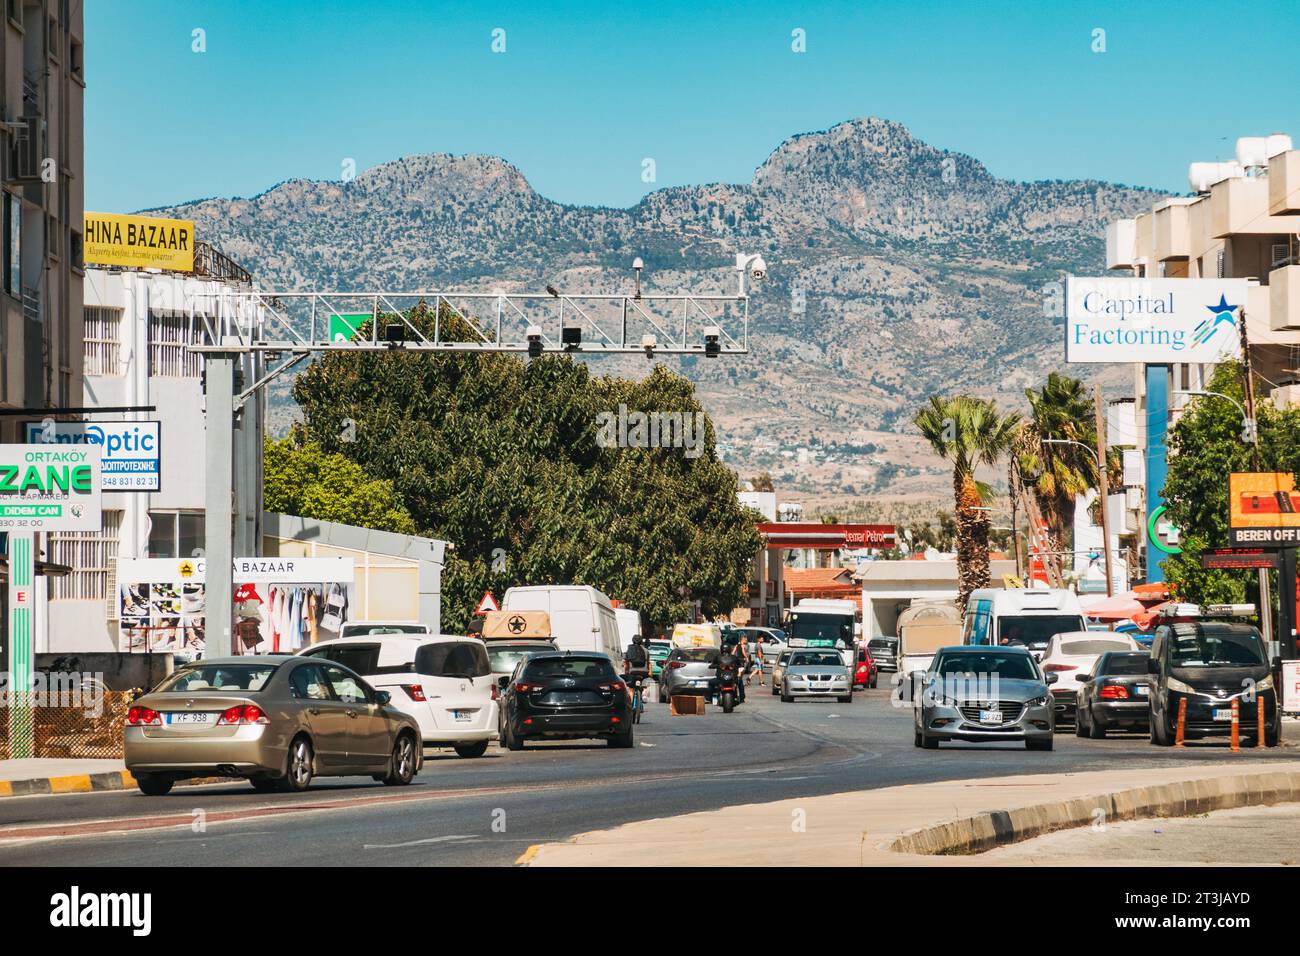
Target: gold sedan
[278,721]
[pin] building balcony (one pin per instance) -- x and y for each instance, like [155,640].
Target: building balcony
[1284,183]
[1170,234]
[1121,244]
[1284,299]
[1240,207]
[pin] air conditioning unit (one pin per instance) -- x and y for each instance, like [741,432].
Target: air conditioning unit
[1280,255]
[25,155]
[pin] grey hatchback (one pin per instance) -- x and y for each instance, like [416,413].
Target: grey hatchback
[688,670]
[982,693]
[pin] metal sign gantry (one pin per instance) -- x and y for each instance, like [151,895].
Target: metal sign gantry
[288,327]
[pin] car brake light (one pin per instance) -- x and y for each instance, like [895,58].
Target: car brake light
[610,687]
[143,716]
[1057,668]
[613,720]
[416,692]
[524,687]
[676,664]
[1114,692]
[243,714]
[496,692]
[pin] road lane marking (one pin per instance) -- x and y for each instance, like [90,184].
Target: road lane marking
[527,856]
[442,839]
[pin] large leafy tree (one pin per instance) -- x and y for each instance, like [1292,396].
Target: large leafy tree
[500,457]
[1204,448]
[970,433]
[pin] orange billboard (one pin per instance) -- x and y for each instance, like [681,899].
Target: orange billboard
[1264,509]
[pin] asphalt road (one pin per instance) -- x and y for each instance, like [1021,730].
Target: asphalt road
[487,811]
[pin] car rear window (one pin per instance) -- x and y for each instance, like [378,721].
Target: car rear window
[218,679]
[568,667]
[365,630]
[1093,647]
[453,659]
[696,655]
[1126,664]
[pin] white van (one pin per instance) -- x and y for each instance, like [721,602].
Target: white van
[629,625]
[582,618]
[443,681]
[1023,617]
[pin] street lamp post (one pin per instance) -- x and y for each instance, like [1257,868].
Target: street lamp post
[1104,488]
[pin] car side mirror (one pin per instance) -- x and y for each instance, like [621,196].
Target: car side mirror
[1051,678]
[1153,666]
[503,682]
[382,697]
[1084,678]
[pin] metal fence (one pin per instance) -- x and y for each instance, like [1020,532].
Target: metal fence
[92,729]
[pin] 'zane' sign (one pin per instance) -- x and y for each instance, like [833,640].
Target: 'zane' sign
[49,488]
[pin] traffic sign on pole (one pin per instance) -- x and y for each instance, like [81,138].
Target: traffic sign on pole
[486,603]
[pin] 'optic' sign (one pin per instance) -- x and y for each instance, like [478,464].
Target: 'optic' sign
[1157,321]
[131,451]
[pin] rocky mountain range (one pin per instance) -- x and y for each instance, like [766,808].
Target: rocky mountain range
[897,270]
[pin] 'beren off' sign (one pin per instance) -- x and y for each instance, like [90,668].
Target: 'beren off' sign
[49,488]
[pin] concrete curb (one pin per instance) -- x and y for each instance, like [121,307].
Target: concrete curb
[984,831]
[86,783]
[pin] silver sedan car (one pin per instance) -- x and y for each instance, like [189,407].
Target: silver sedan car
[817,673]
[984,693]
[688,670]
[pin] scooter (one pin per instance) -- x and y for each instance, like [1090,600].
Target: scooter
[726,687]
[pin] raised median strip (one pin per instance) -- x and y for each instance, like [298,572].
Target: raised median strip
[937,824]
[83,783]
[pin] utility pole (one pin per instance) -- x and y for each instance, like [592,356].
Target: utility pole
[1103,484]
[1265,588]
[218,516]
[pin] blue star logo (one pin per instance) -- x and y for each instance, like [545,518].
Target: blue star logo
[1223,314]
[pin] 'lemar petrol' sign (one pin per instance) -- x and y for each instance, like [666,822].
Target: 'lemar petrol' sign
[1157,321]
[49,488]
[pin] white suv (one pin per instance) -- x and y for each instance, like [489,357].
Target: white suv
[443,681]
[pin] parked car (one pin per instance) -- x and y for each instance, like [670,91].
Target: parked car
[1071,654]
[954,701]
[277,721]
[778,671]
[444,682]
[1210,664]
[817,672]
[566,695]
[865,674]
[884,651]
[688,670]
[1115,693]
[766,641]
[658,651]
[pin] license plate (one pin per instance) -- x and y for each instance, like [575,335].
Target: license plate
[1142,690]
[188,718]
[1223,713]
[699,683]
[819,686]
[464,716]
[990,716]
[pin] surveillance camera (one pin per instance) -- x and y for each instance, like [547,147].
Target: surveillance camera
[758,268]
[534,341]
[649,343]
[712,347]
[637,263]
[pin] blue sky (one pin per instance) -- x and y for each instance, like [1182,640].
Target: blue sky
[585,92]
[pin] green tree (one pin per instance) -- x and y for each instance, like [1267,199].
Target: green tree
[500,456]
[1057,474]
[969,432]
[301,479]
[1204,448]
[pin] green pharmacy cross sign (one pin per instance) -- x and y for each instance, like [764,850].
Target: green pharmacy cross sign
[1162,533]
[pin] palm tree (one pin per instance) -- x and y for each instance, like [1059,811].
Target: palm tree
[1057,474]
[969,432]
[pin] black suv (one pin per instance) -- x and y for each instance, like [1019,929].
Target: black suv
[1209,664]
[565,695]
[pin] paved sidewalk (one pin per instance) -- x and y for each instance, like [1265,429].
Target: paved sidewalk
[952,818]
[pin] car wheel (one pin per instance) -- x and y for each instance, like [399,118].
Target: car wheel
[401,763]
[264,784]
[512,740]
[301,766]
[621,741]
[1159,734]
[786,698]
[1096,731]
[916,738]
[476,749]
[154,784]
[1032,744]
[1273,734]
[845,700]
[1080,728]
[928,742]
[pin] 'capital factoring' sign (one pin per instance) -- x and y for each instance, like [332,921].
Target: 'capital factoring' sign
[1153,320]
